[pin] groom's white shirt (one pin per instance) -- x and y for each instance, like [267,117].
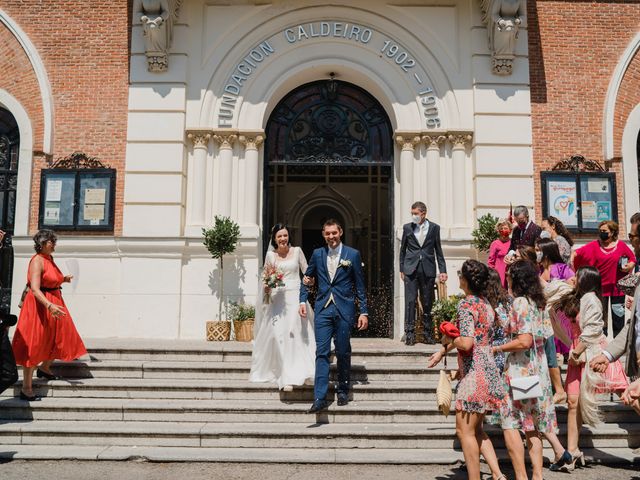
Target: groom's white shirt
[333,255]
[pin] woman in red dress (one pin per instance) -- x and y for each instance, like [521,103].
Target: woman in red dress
[45,329]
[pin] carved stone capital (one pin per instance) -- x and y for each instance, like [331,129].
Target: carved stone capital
[251,141]
[199,138]
[408,142]
[225,140]
[434,141]
[460,140]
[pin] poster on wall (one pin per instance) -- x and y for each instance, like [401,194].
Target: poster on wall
[562,201]
[581,200]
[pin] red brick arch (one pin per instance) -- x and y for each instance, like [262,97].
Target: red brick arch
[627,99]
[19,79]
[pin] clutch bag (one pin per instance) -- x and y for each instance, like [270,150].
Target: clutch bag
[628,283]
[523,388]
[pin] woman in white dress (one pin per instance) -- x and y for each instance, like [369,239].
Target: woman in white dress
[285,345]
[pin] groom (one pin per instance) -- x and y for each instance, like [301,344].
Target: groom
[337,271]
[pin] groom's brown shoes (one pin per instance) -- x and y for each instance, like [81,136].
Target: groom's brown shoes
[318,406]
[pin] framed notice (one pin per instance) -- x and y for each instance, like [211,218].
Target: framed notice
[77,199]
[581,200]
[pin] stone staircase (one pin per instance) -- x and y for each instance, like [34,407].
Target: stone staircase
[191,401]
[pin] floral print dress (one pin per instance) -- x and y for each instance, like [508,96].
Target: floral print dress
[534,413]
[480,389]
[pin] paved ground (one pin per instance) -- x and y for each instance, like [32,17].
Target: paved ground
[70,470]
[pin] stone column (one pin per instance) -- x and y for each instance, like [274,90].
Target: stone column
[408,143]
[459,142]
[225,141]
[198,177]
[252,142]
[434,175]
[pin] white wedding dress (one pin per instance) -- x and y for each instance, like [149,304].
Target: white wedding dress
[284,350]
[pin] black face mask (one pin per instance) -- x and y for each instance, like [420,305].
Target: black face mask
[604,236]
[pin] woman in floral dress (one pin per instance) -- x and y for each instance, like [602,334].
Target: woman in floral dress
[480,390]
[527,331]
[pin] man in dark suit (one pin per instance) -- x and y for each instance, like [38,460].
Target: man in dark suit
[420,248]
[527,232]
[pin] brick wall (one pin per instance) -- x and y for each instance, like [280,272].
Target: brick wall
[84,46]
[574,47]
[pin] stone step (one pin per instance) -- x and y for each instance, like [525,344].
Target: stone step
[409,456]
[276,435]
[244,411]
[216,389]
[364,350]
[362,372]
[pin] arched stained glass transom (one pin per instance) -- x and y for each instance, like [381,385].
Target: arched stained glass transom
[329,122]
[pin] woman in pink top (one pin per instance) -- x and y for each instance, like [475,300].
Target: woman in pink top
[499,249]
[613,259]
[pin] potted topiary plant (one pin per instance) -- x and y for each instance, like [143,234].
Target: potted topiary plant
[220,240]
[242,317]
[485,233]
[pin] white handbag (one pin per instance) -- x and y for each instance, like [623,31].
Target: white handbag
[523,388]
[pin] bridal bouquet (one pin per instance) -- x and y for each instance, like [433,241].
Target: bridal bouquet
[272,277]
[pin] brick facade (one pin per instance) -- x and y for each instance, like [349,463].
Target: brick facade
[574,48]
[85,50]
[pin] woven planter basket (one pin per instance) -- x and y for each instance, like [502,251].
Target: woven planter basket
[243,330]
[218,331]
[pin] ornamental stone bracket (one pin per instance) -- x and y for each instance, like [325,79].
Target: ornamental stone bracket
[157,18]
[251,139]
[408,141]
[199,138]
[225,138]
[503,19]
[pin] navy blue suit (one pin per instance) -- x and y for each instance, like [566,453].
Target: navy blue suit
[336,319]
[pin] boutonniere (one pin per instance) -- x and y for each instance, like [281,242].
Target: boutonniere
[344,263]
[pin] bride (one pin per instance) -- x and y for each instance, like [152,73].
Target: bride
[284,346]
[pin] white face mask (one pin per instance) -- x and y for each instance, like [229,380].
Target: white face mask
[416,218]
[538,257]
[545,234]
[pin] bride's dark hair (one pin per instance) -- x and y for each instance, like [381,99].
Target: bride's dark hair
[276,228]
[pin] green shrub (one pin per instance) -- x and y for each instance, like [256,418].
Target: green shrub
[485,233]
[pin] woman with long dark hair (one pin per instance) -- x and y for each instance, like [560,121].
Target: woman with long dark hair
[526,357]
[584,306]
[480,390]
[284,347]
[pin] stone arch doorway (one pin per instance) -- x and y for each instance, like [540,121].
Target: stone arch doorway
[9,149]
[329,153]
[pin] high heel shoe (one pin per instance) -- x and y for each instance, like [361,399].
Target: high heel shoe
[577,457]
[48,376]
[24,396]
[562,463]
